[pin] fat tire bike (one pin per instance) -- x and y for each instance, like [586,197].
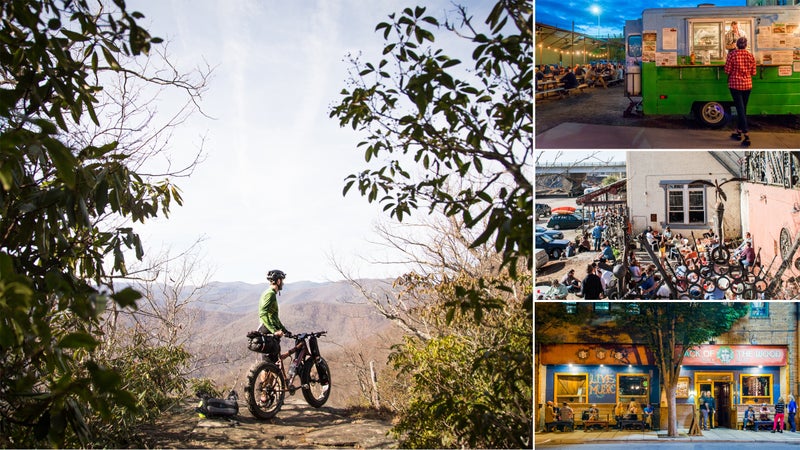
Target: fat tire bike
[268,382]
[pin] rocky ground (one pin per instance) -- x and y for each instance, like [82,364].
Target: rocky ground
[297,425]
[606,106]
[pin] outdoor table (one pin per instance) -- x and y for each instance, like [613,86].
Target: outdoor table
[588,424]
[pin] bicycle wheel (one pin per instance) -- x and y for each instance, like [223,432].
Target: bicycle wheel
[264,392]
[316,381]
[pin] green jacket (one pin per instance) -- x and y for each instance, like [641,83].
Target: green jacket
[268,311]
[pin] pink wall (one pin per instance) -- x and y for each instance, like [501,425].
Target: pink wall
[770,209]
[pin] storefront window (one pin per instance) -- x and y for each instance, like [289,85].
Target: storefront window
[571,388]
[756,388]
[686,204]
[633,387]
[759,309]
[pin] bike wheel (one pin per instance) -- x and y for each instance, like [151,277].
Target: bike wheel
[264,392]
[316,381]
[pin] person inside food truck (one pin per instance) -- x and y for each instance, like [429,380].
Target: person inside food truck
[732,35]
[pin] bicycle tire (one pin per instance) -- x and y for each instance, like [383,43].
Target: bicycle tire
[271,390]
[316,381]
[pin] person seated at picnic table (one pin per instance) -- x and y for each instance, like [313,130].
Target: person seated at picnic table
[539,78]
[635,269]
[579,71]
[572,284]
[594,412]
[565,414]
[763,414]
[569,79]
[749,418]
[619,413]
[648,283]
[633,410]
[663,290]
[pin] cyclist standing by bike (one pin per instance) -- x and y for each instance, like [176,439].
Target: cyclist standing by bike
[268,312]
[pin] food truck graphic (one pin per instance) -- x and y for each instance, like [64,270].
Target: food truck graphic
[675,60]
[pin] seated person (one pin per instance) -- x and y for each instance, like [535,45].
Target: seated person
[565,414]
[608,252]
[763,414]
[570,250]
[619,413]
[648,415]
[556,291]
[748,256]
[749,418]
[594,412]
[648,283]
[573,284]
[569,79]
[633,410]
[583,243]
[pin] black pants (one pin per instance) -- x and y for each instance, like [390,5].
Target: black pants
[740,103]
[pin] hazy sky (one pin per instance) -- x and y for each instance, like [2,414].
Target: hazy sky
[613,13]
[269,194]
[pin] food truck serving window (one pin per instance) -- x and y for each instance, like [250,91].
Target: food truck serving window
[708,37]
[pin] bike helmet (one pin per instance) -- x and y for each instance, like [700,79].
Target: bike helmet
[275,275]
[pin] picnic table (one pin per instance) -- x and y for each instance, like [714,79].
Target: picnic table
[587,424]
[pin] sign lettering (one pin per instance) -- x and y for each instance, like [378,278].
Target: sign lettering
[602,384]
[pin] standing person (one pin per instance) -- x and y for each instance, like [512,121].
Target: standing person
[740,67]
[704,413]
[592,285]
[792,410]
[732,36]
[597,234]
[779,409]
[712,409]
[268,310]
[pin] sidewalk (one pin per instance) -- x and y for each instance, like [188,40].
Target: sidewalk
[578,135]
[715,435]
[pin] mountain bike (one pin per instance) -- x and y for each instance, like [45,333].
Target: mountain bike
[268,382]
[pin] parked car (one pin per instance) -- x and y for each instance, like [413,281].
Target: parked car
[543,210]
[553,247]
[564,222]
[555,234]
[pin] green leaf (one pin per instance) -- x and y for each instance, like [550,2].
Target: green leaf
[63,160]
[126,297]
[78,339]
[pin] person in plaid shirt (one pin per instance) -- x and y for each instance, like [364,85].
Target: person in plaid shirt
[740,67]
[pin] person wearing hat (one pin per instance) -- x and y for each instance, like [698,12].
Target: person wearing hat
[740,67]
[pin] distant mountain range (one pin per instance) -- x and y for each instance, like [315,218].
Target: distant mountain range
[224,312]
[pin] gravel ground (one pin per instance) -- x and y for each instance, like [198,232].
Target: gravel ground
[605,107]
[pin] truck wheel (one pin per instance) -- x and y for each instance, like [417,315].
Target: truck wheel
[556,253]
[712,114]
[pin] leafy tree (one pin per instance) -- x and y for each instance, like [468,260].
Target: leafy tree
[457,138]
[58,246]
[670,329]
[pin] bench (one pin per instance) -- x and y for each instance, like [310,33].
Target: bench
[581,88]
[741,408]
[632,423]
[564,424]
[560,91]
[582,410]
[589,424]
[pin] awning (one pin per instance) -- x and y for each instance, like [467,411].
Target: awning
[614,189]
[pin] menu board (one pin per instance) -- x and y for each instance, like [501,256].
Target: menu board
[649,46]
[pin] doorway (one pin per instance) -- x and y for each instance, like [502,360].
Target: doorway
[717,385]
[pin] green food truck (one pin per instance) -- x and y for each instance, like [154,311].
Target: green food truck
[675,58]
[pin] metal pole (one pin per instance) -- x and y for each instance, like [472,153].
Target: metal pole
[572,46]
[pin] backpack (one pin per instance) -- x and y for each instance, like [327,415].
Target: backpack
[217,407]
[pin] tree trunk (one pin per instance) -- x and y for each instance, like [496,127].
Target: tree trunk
[672,411]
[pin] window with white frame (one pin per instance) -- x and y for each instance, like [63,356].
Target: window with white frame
[686,204]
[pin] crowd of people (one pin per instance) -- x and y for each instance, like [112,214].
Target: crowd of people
[698,267]
[570,77]
[564,414]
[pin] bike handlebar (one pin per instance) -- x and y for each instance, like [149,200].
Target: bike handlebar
[303,336]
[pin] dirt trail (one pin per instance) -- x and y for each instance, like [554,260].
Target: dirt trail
[296,426]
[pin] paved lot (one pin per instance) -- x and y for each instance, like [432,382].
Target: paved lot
[593,136]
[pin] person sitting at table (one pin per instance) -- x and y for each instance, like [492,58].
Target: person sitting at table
[565,414]
[569,79]
[619,413]
[594,412]
[748,256]
[579,71]
[633,410]
[539,77]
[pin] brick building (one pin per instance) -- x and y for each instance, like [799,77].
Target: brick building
[755,362]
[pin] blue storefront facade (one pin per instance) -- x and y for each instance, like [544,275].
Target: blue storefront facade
[612,373]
